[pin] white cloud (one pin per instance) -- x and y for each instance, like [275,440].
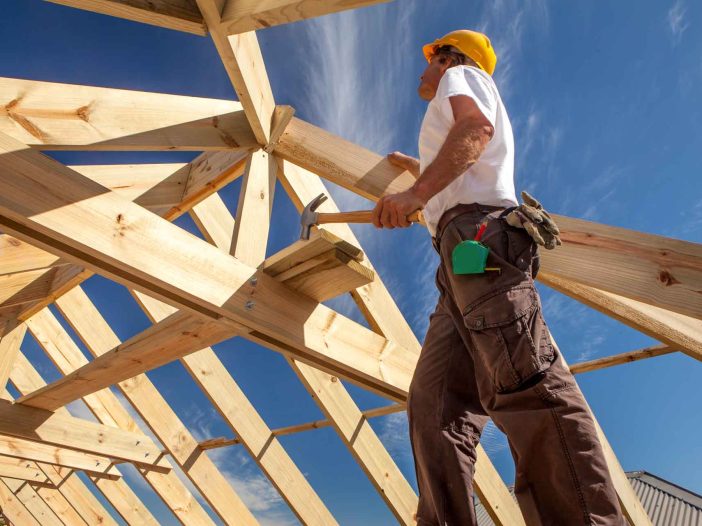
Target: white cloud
[677,22]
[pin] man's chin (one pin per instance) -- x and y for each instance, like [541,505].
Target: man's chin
[426,92]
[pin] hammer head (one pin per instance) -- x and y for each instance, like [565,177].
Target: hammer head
[309,216]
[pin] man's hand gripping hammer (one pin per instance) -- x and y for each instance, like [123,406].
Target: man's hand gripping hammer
[310,217]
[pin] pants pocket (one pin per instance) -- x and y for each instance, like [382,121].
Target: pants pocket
[510,336]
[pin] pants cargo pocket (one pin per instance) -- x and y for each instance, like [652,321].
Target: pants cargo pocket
[510,336]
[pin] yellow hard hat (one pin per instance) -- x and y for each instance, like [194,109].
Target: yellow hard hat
[471,43]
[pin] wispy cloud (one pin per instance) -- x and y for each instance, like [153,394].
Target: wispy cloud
[677,21]
[492,439]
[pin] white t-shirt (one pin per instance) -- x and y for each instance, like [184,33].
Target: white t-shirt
[490,181]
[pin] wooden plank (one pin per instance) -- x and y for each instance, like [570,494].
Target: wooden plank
[157,414]
[244,64]
[164,342]
[320,267]
[213,211]
[17,256]
[655,270]
[61,506]
[359,437]
[236,409]
[374,300]
[68,458]
[253,213]
[14,509]
[30,423]
[9,349]
[618,359]
[671,328]
[54,116]
[194,181]
[631,506]
[341,162]
[33,502]
[181,15]
[83,222]
[67,357]
[127,504]
[239,16]
[22,470]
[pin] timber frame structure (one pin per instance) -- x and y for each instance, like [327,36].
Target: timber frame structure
[61,224]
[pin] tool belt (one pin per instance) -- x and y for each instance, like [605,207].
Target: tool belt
[458,210]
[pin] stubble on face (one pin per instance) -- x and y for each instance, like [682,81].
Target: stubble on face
[429,81]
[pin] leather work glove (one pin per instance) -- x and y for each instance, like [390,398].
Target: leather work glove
[532,217]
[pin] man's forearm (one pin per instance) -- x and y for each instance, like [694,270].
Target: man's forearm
[463,146]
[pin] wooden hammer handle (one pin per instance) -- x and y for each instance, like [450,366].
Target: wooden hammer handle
[363,216]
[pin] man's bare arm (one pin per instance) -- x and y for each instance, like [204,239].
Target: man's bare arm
[405,162]
[464,144]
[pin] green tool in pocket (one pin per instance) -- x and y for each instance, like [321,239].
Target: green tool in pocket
[470,256]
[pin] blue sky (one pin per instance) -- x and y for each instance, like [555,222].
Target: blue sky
[604,101]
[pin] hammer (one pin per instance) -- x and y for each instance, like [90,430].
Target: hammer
[312,218]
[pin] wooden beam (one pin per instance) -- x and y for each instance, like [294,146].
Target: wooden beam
[17,256]
[181,15]
[238,412]
[213,211]
[244,64]
[65,431]
[322,267]
[250,236]
[13,508]
[9,349]
[60,505]
[67,357]
[341,162]
[83,222]
[618,359]
[67,458]
[188,185]
[671,328]
[239,16]
[22,470]
[99,338]
[26,379]
[32,503]
[53,116]
[655,270]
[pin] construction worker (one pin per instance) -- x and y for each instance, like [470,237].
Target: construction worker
[487,352]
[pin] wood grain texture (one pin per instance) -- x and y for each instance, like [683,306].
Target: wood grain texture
[54,116]
[619,359]
[240,16]
[81,220]
[181,15]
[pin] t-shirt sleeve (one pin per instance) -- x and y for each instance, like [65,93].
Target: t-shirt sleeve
[464,81]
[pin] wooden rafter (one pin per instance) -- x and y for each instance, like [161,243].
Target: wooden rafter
[181,15]
[116,491]
[32,502]
[619,359]
[98,228]
[243,62]
[53,116]
[677,330]
[66,355]
[99,338]
[239,16]
[238,412]
[9,349]
[170,197]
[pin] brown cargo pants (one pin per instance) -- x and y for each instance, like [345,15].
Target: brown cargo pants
[488,354]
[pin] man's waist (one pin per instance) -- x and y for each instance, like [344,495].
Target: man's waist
[477,209]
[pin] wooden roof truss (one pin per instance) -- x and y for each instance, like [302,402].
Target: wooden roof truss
[60,224]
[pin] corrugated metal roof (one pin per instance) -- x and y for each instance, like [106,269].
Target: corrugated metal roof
[666,503]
